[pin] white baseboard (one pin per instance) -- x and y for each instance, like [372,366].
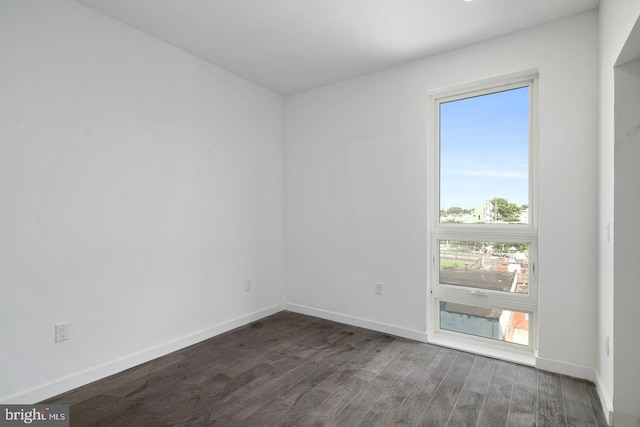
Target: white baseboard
[359,322]
[576,371]
[61,385]
[564,368]
[583,372]
[605,399]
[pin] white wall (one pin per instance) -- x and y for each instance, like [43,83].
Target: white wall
[356,168]
[627,252]
[617,18]
[139,188]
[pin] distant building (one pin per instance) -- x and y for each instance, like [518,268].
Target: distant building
[478,321]
[478,215]
[482,214]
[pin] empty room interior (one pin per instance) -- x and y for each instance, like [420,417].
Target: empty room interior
[443,182]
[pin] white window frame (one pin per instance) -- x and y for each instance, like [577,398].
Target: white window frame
[525,233]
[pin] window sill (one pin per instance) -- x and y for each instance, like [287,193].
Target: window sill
[520,357]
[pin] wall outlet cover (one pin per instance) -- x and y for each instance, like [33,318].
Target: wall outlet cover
[62,331]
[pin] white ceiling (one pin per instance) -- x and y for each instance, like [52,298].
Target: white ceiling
[290,46]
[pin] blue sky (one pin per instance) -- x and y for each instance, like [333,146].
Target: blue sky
[484,149]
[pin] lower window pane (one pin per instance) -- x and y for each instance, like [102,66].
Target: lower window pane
[494,323]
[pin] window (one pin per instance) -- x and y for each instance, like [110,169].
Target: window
[483,230]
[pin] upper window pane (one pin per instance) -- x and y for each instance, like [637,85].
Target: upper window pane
[484,158]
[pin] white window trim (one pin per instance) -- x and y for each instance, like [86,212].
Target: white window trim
[525,233]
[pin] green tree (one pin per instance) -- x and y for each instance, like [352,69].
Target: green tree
[503,210]
[498,246]
[455,210]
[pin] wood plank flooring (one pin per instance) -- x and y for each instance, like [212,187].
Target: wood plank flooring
[295,370]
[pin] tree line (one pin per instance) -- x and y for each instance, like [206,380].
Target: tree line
[502,210]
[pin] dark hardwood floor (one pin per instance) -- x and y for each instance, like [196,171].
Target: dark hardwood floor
[295,370]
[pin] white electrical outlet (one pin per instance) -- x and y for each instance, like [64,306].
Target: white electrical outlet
[247,285]
[378,288]
[62,331]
